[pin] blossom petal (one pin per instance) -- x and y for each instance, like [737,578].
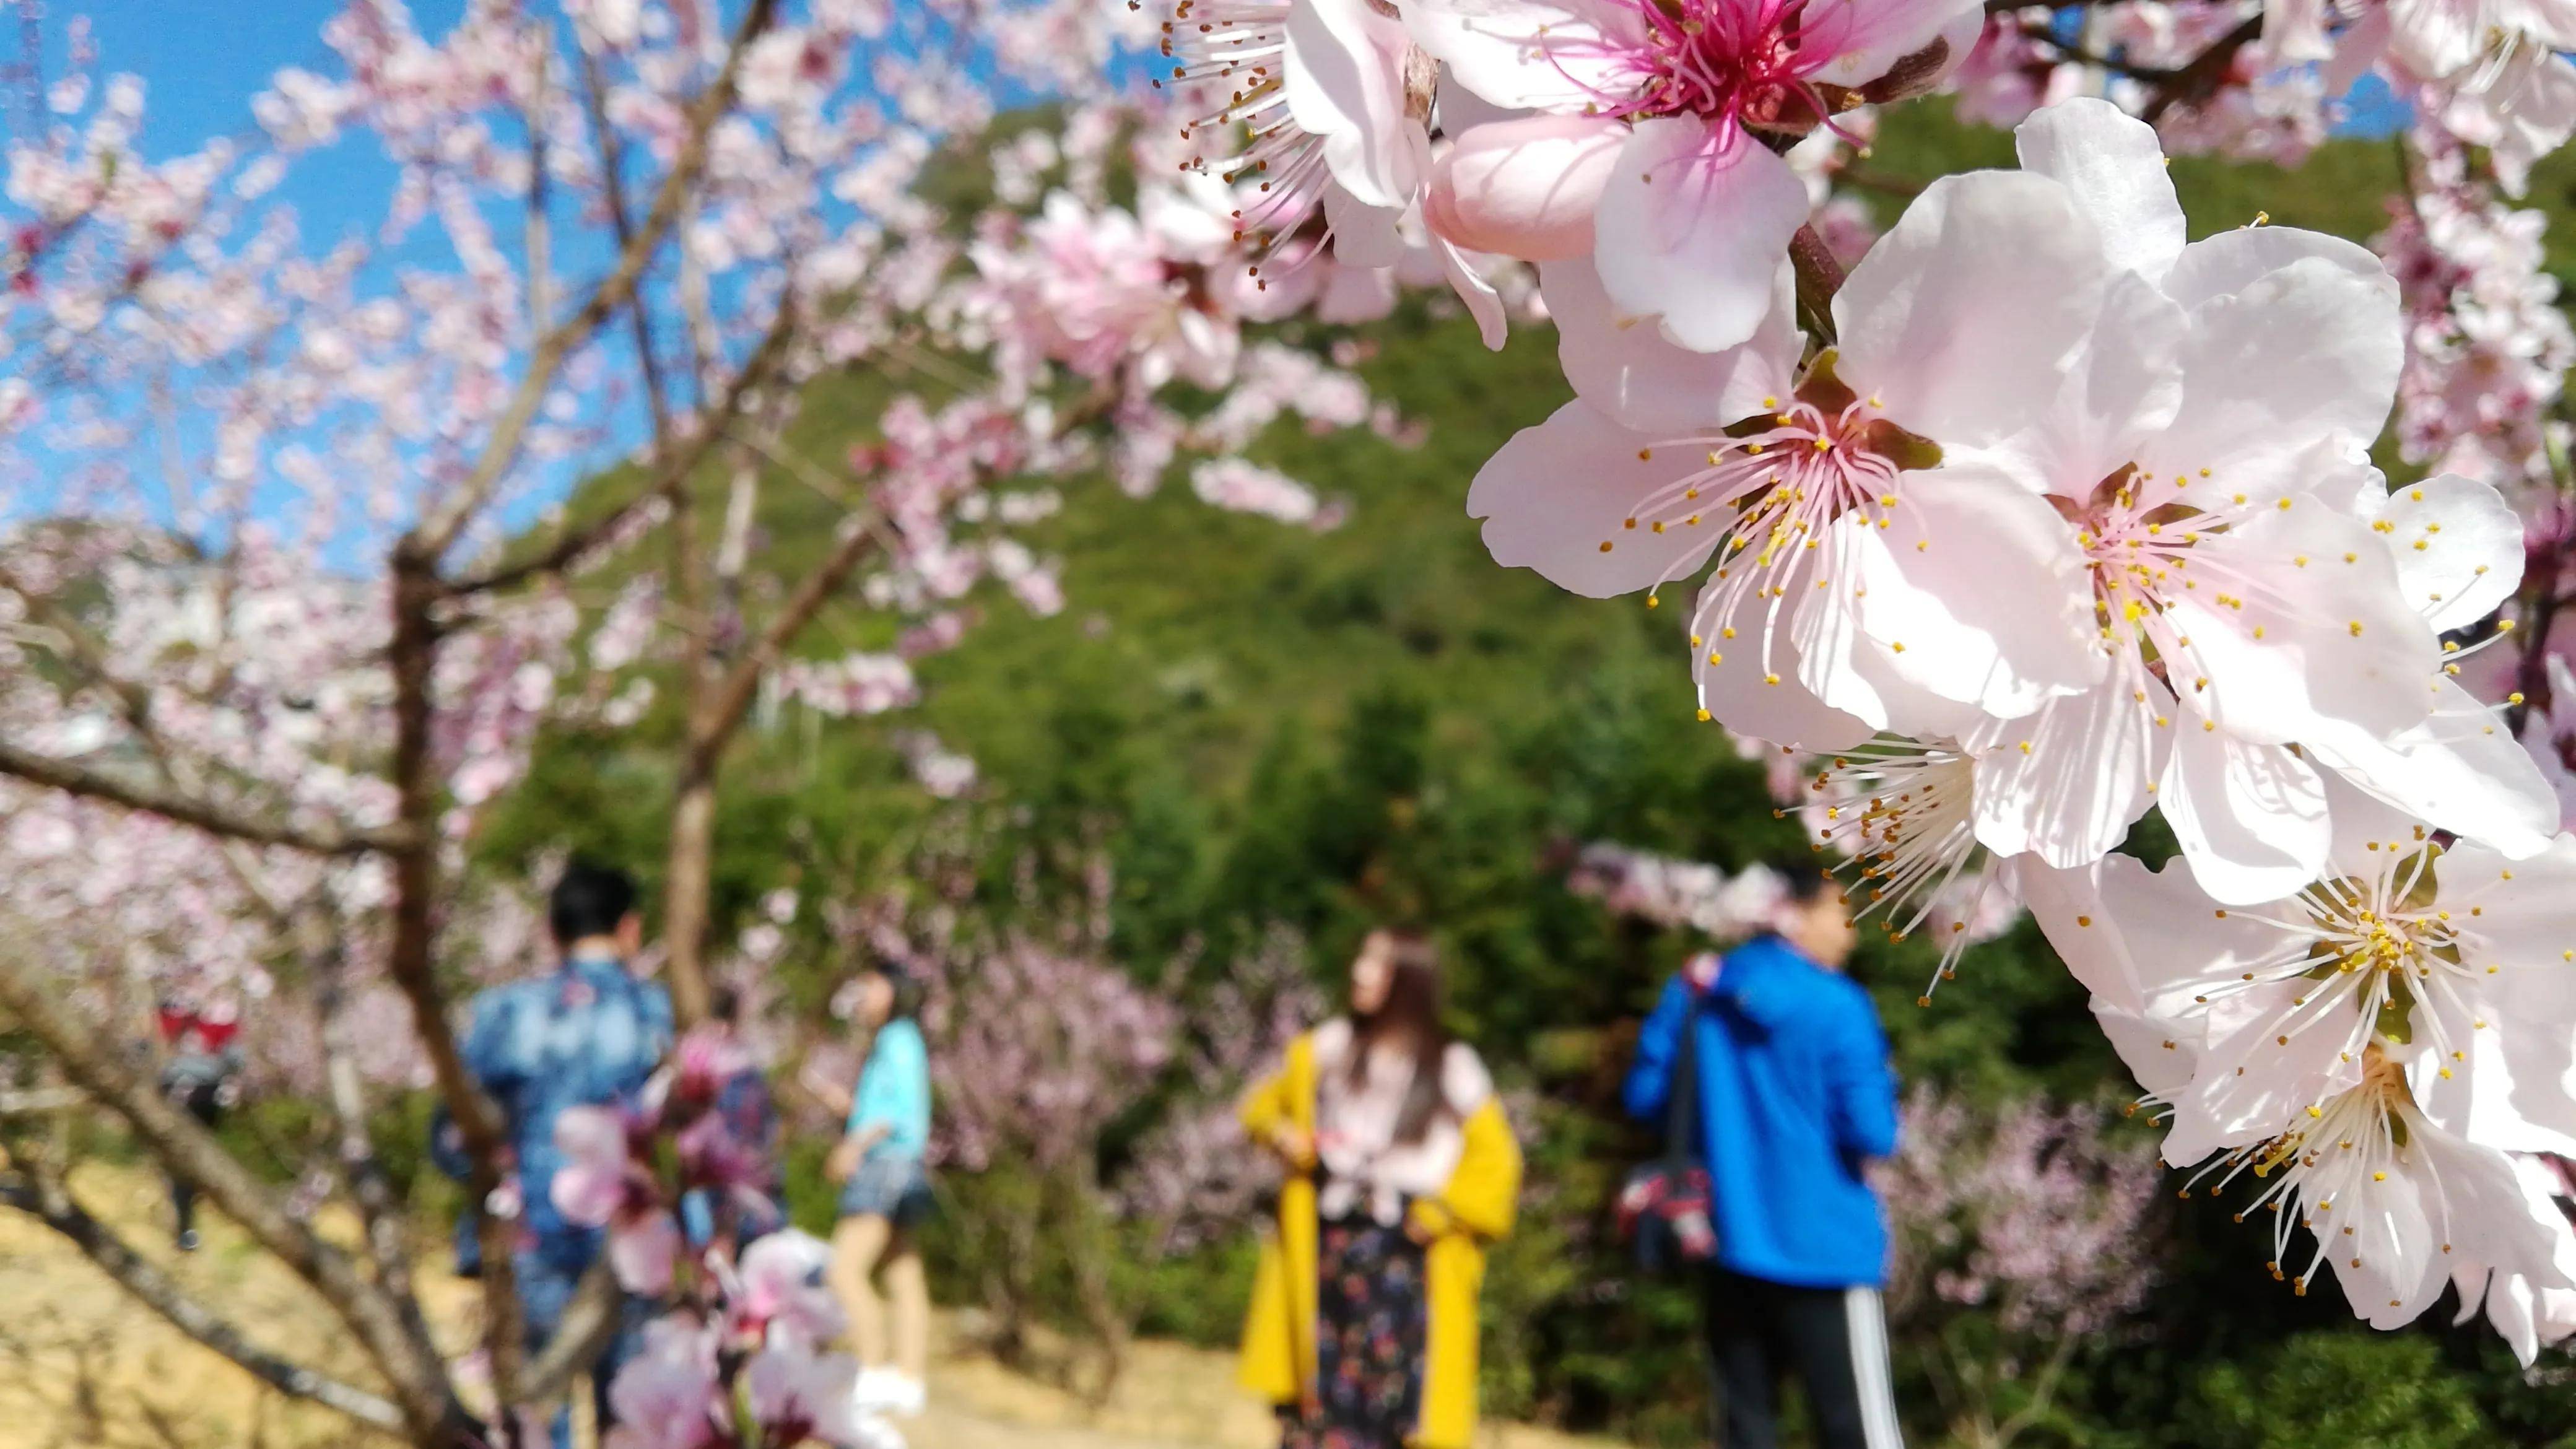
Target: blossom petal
[1625,367]
[2526,908]
[1693,222]
[1526,188]
[1979,592]
[2158,1054]
[1563,498]
[1751,683]
[2298,629]
[644,1251]
[1530,53]
[2300,354]
[2251,818]
[2291,1060]
[2114,165]
[2376,1226]
[1476,291]
[2484,1210]
[2068,782]
[2230,261]
[1865,37]
[1363,235]
[1839,661]
[2144,940]
[2457,769]
[2121,388]
[1971,304]
[1344,78]
[2458,546]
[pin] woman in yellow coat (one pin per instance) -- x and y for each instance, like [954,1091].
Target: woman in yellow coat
[1401,1168]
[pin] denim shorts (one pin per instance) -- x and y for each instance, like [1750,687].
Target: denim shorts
[892,1186]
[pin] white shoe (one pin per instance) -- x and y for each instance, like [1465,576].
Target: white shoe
[890,1391]
[876,1433]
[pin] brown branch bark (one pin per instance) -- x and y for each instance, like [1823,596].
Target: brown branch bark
[412,1366]
[440,526]
[2196,79]
[621,221]
[412,657]
[108,789]
[380,1208]
[589,1321]
[671,470]
[717,710]
[1820,276]
[49,1204]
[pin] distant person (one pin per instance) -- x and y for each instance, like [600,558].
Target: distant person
[199,1074]
[1795,1097]
[738,1092]
[587,1034]
[881,1164]
[1401,1168]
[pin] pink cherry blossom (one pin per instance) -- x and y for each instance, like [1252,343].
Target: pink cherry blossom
[1646,134]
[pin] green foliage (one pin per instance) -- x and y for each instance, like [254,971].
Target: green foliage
[2337,1388]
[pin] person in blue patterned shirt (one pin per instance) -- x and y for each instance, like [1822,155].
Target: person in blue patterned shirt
[587,1033]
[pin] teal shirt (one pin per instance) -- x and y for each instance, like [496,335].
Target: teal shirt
[894,1090]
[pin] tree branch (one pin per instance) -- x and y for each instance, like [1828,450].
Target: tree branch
[589,1321]
[1820,276]
[379,1207]
[90,784]
[439,528]
[412,1366]
[156,1290]
[2198,78]
[673,469]
[410,958]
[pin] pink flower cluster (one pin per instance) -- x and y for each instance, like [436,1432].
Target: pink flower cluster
[2036,1213]
[2487,345]
[1195,1177]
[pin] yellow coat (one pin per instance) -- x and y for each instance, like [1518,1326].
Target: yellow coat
[1278,1358]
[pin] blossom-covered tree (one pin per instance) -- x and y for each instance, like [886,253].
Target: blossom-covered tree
[291,566]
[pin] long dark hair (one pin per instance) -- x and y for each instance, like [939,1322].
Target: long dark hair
[1411,1013]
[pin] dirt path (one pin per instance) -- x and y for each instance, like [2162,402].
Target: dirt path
[82,1367]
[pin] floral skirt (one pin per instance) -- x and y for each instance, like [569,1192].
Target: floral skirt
[1372,1319]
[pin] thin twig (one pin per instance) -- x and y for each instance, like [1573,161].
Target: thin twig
[107,789]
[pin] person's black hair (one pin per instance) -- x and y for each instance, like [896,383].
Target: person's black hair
[907,993]
[903,1004]
[1410,1013]
[589,900]
[1803,882]
[724,1004]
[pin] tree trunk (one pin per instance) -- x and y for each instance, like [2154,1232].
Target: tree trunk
[688,886]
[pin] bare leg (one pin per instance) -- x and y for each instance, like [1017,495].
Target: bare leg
[857,1243]
[909,1288]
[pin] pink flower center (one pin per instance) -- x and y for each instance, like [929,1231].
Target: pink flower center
[1774,484]
[1723,61]
[2142,537]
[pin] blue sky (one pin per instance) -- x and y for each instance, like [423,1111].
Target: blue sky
[203,60]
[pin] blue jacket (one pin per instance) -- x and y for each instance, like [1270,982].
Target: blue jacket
[1795,1097]
[588,1034]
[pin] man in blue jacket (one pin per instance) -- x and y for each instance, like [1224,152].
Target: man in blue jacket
[586,1034]
[1795,1098]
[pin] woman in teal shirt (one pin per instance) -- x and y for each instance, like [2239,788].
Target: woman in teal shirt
[885,1193]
